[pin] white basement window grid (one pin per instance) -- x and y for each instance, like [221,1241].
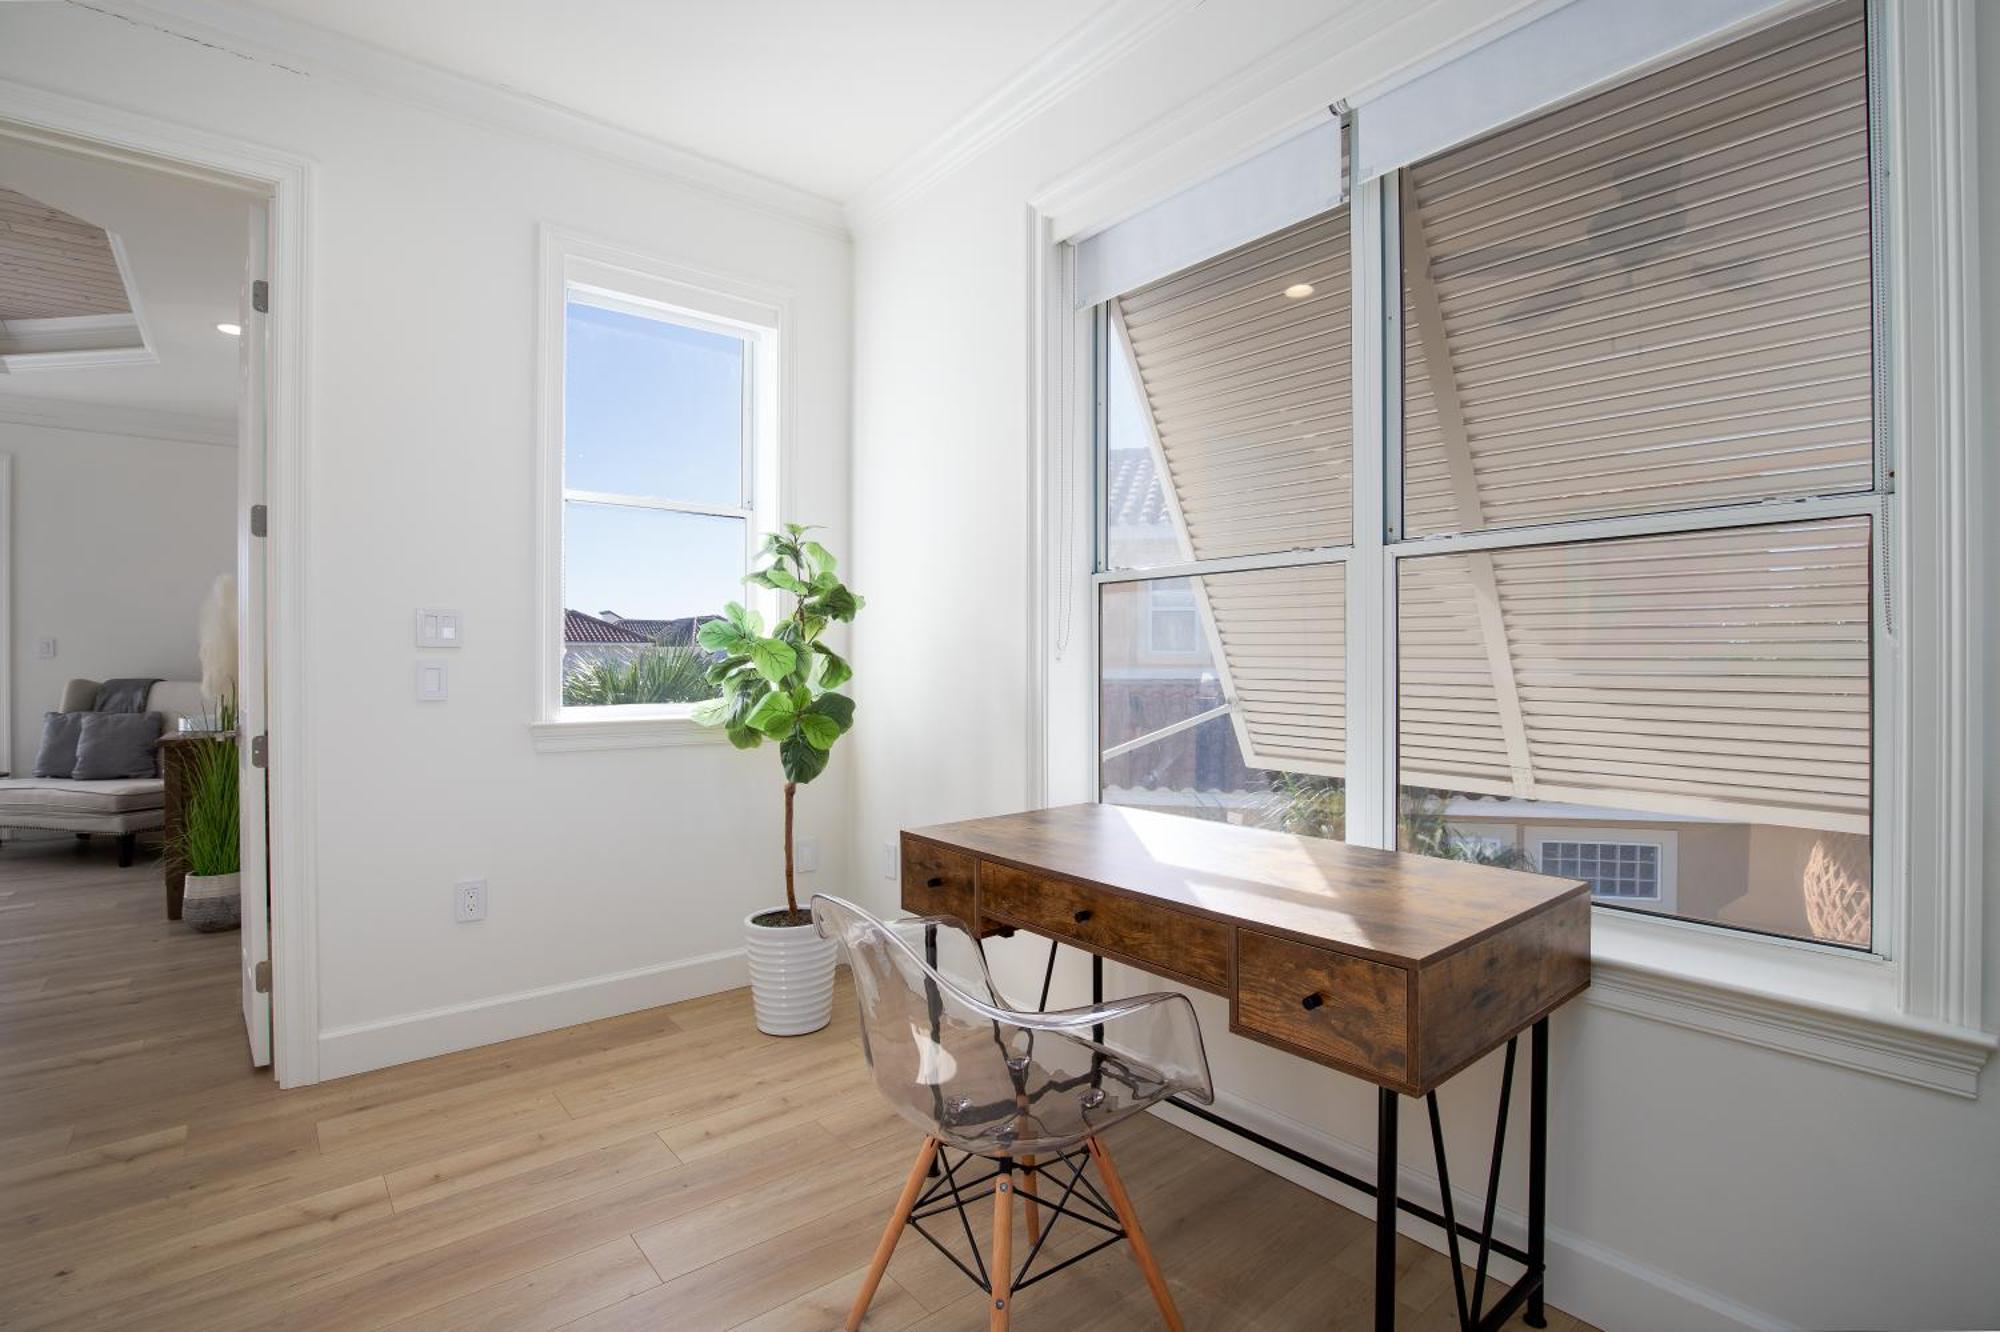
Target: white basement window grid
[1630,511]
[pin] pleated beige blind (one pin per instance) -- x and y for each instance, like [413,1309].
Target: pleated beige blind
[1655,298]
[1248,390]
[1719,674]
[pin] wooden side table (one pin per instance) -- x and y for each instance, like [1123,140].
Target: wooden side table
[177,753]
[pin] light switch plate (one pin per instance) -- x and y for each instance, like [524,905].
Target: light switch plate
[45,648]
[433,682]
[438,628]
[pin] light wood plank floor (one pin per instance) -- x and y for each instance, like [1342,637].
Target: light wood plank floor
[669,1169]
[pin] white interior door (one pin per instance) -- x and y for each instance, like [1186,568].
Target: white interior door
[251,619]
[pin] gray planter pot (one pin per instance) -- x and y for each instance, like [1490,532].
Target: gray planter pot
[213,902]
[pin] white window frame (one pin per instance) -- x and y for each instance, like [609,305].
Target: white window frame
[1666,843]
[1154,608]
[615,278]
[1911,1009]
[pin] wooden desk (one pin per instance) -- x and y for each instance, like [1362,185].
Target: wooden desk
[1395,968]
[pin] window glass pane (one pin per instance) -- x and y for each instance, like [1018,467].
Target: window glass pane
[1234,375]
[1652,299]
[1221,697]
[636,584]
[652,408]
[1704,694]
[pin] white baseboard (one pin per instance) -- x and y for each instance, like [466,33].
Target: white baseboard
[435,1031]
[1600,1286]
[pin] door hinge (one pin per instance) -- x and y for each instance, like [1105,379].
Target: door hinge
[262,977]
[260,751]
[260,520]
[260,296]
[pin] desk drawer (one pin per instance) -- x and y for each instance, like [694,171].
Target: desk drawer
[1348,1008]
[1162,940]
[936,882]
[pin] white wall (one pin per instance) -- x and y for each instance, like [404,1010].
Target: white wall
[1696,1181]
[115,542]
[606,869]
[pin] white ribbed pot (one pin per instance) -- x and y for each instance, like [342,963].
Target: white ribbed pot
[791,976]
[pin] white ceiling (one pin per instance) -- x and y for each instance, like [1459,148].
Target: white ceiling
[824,95]
[184,247]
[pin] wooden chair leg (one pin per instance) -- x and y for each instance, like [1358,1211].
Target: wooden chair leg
[912,1186]
[1142,1252]
[1030,1192]
[1000,1263]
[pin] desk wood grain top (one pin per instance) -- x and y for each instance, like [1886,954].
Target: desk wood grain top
[1408,909]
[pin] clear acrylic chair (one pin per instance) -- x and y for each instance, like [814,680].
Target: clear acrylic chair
[1030,1092]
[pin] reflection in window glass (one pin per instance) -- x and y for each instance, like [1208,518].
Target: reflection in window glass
[1655,298]
[1706,694]
[1237,370]
[1233,710]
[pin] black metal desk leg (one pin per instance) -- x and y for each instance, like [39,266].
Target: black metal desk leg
[1538,1171]
[1385,1210]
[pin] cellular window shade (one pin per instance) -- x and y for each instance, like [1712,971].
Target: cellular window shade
[1655,298]
[1248,391]
[1720,674]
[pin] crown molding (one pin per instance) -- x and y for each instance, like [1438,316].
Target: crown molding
[103,418]
[307,50]
[1095,45]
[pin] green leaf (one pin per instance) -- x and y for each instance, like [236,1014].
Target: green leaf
[774,660]
[720,636]
[784,581]
[744,738]
[802,760]
[714,712]
[775,715]
[820,732]
[837,708]
[820,558]
[838,602]
[833,668]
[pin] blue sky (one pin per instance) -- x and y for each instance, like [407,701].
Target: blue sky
[651,408]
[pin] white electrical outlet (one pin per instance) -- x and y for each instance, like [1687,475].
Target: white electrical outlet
[468,900]
[888,860]
[805,855]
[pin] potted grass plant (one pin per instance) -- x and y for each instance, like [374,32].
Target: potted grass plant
[783,686]
[207,841]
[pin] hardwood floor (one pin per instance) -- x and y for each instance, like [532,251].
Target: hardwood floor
[668,1169]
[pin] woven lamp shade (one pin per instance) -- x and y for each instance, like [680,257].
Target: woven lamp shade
[1839,905]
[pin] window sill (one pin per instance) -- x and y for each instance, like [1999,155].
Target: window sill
[570,734]
[1812,1002]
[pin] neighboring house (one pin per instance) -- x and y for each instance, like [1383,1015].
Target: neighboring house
[587,639]
[666,633]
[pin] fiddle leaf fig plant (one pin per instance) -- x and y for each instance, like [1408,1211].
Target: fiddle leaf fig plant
[782,685]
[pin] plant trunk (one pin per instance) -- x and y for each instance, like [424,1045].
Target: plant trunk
[791,894]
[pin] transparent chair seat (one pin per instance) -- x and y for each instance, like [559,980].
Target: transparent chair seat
[955,1059]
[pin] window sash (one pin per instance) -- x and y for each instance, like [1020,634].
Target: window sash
[1372,776]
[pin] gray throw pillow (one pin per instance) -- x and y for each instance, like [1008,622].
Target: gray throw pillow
[57,756]
[116,744]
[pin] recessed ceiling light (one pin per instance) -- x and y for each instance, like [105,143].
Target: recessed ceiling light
[236,330]
[1298,291]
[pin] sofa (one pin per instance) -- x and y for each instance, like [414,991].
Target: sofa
[121,808]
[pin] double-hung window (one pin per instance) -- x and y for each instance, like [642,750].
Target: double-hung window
[1583,507]
[660,427]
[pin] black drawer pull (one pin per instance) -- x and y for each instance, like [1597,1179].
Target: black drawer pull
[1312,1001]
[937,882]
[1083,915]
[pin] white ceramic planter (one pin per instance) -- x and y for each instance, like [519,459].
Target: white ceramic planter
[791,976]
[212,902]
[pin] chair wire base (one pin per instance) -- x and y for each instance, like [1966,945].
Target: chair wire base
[948,1193]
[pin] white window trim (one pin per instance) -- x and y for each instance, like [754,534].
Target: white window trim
[619,278]
[1668,844]
[1911,1012]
